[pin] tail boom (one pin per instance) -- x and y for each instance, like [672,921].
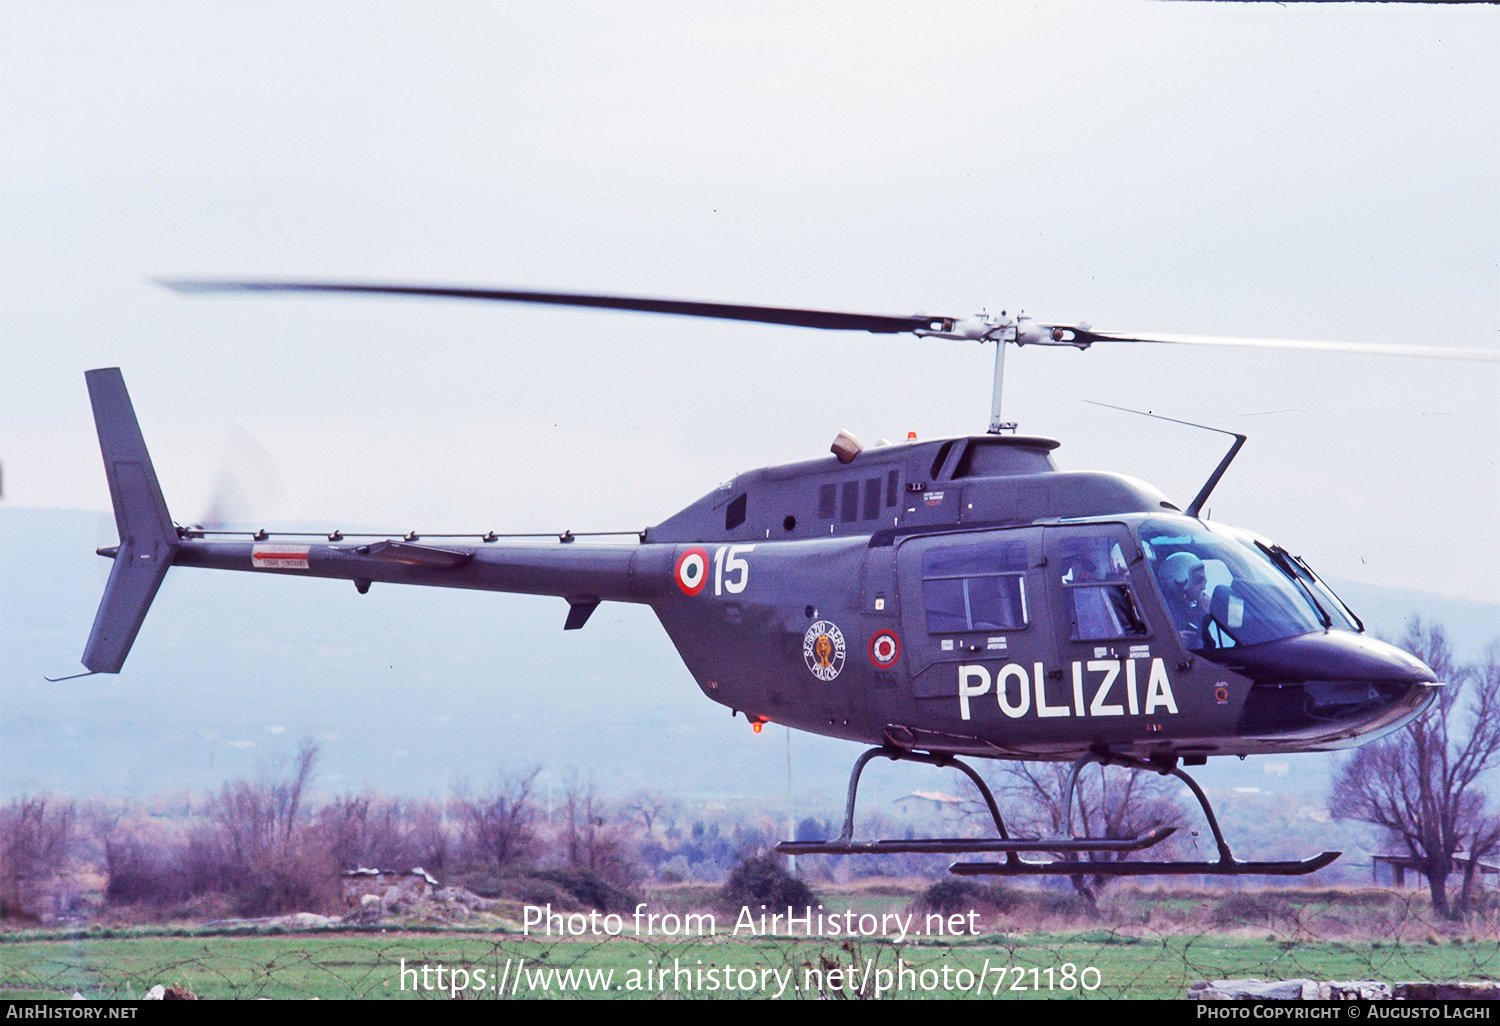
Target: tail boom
[579,573]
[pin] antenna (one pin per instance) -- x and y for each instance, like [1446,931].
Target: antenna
[1213,479]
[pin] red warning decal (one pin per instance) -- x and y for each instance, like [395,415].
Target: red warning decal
[279,557]
[692,571]
[885,649]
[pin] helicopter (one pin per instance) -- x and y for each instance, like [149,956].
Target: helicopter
[936,599]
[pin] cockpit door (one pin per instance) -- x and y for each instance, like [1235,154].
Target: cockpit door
[1109,648]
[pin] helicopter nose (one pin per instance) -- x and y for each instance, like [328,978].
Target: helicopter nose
[1331,688]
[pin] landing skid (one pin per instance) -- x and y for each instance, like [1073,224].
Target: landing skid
[1220,868]
[1065,846]
[961,845]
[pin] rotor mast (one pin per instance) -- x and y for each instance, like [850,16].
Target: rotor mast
[998,426]
[1006,328]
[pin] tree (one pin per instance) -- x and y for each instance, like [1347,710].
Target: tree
[1108,802]
[499,825]
[429,837]
[36,835]
[1424,783]
[651,806]
[142,861]
[591,840]
[36,841]
[365,830]
[254,822]
[257,845]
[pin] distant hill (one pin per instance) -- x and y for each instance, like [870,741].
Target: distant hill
[408,689]
[1386,612]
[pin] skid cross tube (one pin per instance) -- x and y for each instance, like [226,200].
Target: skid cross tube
[1225,855]
[1114,760]
[846,845]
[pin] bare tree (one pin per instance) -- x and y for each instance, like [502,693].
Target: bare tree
[144,859]
[256,844]
[499,826]
[1424,783]
[255,821]
[650,806]
[1108,802]
[584,821]
[430,838]
[289,794]
[36,841]
[366,830]
[36,835]
[591,840]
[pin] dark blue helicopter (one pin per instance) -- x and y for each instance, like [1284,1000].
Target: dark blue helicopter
[934,599]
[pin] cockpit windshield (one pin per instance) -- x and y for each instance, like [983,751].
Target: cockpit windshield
[1340,615]
[1224,588]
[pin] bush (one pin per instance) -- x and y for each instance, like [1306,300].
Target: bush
[590,889]
[143,872]
[760,879]
[1247,908]
[957,896]
[298,883]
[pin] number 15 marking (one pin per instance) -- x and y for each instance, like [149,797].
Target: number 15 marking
[739,568]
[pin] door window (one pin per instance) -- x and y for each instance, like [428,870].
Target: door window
[1096,590]
[975,587]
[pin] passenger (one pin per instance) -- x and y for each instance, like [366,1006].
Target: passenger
[1088,563]
[1104,610]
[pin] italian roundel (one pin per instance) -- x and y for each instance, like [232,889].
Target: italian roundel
[692,571]
[885,649]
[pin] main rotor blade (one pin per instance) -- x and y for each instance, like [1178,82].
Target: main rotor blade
[683,308]
[940,326]
[1433,352]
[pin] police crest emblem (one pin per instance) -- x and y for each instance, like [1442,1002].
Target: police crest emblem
[823,650]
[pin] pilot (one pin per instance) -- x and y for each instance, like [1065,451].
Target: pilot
[1184,582]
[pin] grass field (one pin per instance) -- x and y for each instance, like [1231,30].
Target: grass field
[1139,943]
[349,964]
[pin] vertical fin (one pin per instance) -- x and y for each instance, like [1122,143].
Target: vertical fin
[148,540]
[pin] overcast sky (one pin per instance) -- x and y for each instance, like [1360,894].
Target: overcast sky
[1308,171]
